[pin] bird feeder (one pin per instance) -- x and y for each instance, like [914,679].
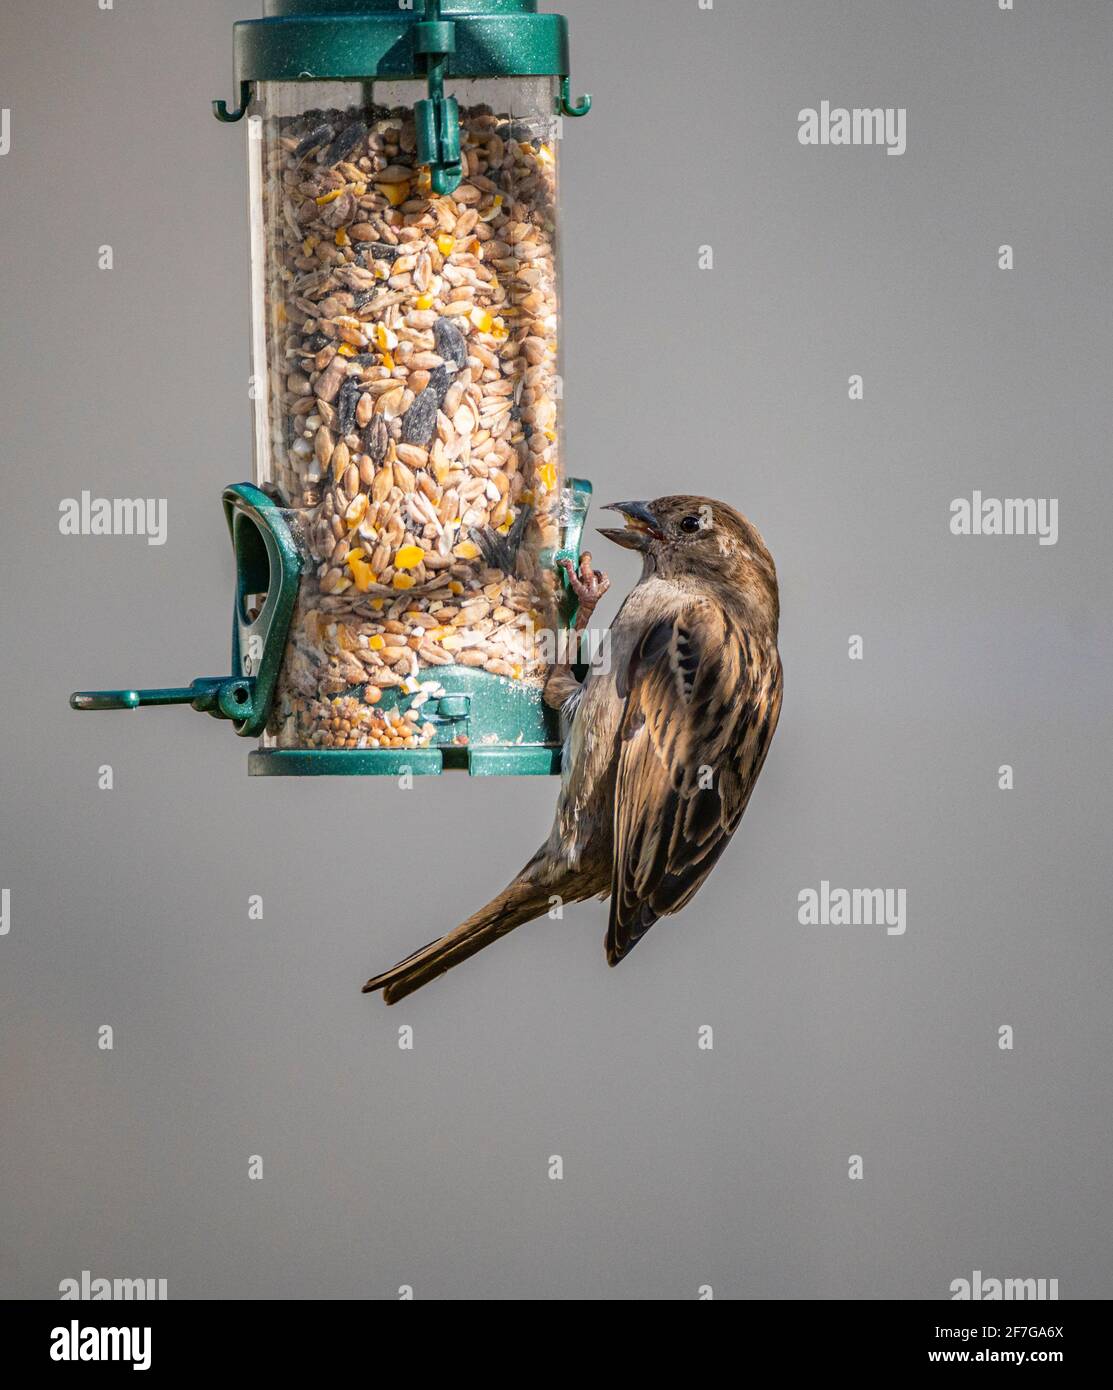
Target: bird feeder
[398,555]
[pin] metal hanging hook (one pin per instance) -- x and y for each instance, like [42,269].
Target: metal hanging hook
[567,107]
[220,108]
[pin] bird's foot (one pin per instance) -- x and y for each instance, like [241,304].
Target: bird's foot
[589,586]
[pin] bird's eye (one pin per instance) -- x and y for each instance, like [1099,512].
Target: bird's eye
[691,524]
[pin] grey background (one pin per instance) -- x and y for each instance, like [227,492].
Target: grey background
[682,1168]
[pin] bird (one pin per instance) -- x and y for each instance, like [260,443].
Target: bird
[665,739]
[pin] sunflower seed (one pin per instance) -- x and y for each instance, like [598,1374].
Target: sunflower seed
[346,402]
[450,342]
[345,142]
[421,419]
[317,137]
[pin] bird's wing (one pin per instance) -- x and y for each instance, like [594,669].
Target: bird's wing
[702,702]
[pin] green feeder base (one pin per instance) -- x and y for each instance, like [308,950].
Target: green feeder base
[528,760]
[482,724]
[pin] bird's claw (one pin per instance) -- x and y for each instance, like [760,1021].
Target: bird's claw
[589,585]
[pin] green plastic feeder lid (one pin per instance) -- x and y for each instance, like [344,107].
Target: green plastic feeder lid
[365,40]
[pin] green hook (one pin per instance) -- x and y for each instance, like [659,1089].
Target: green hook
[220,108]
[580,108]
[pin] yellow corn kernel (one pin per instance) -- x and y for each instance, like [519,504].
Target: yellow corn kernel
[455,587]
[499,330]
[425,301]
[466,550]
[342,238]
[403,581]
[309,245]
[377,643]
[363,576]
[386,338]
[356,510]
[378,604]
[407,557]
[545,155]
[446,244]
[504,529]
[346,350]
[550,435]
[395,193]
[546,475]
[329,197]
[388,361]
[482,319]
[516,672]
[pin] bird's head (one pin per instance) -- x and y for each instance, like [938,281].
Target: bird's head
[705,544]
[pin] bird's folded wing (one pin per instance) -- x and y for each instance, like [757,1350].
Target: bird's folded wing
[702,701]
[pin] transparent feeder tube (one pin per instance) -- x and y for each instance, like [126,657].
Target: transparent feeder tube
[407,393]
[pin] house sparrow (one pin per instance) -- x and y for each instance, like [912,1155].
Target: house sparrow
[664,746]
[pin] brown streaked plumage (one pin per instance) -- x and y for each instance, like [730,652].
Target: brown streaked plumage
[665,744]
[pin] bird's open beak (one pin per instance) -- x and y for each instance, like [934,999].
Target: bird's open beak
[641,527]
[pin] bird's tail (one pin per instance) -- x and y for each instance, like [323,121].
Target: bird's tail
[520,902]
